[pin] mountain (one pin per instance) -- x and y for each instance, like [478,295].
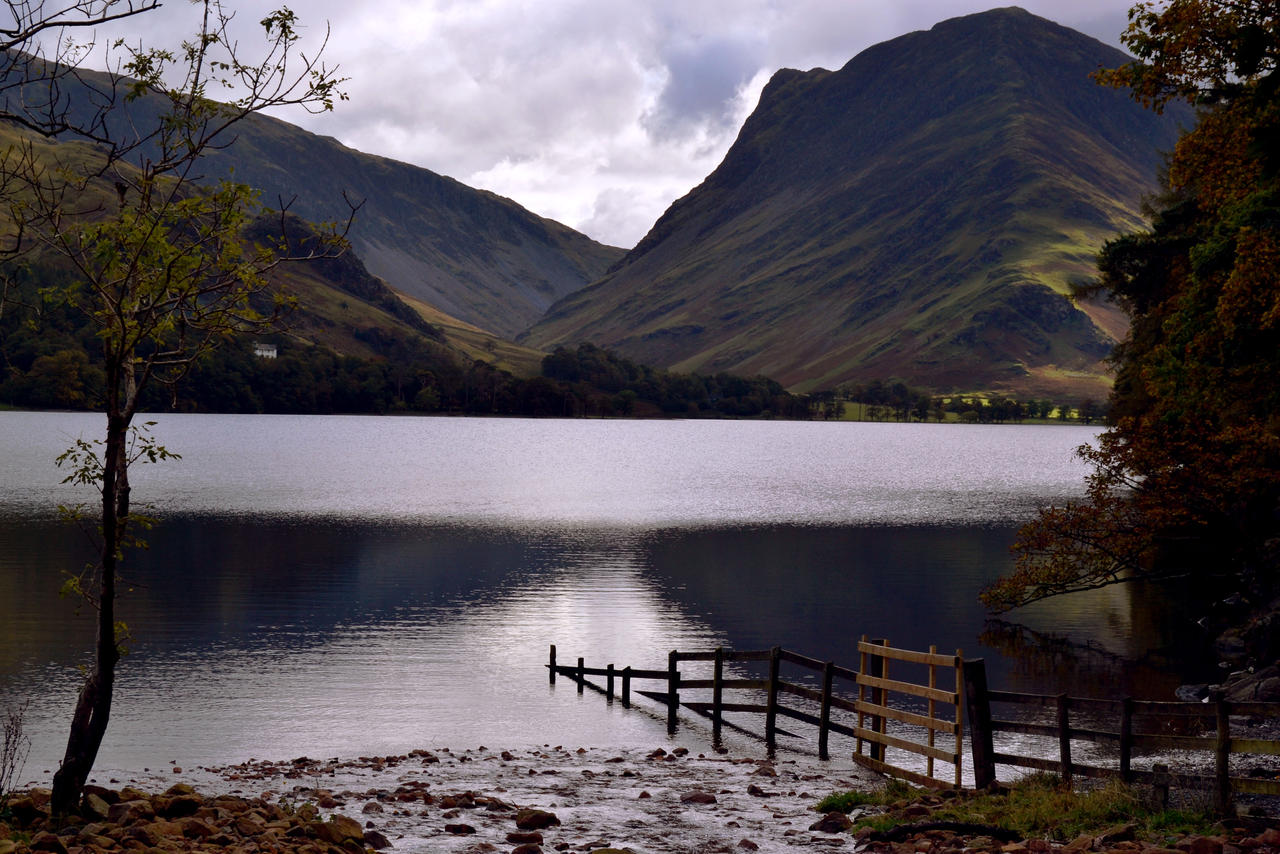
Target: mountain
[919,214]
[469,253]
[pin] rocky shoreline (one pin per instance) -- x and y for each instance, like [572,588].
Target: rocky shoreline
[529,802]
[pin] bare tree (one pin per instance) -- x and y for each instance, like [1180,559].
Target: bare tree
[105,185]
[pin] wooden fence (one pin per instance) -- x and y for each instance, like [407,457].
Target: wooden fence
[1139,726]
[871,702]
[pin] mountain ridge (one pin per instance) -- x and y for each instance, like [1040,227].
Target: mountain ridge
[919,214]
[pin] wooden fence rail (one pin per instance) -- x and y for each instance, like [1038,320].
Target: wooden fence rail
[1133,721]
[871,703]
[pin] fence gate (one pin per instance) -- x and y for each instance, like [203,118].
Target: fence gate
[932,710]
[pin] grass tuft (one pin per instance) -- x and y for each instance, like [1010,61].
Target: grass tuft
[1037,806]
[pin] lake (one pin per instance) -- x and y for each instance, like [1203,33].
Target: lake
[339,586]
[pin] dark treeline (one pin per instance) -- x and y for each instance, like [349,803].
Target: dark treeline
[50,361]
[52,365]
[896,401]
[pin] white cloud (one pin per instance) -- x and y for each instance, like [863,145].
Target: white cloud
[597,113]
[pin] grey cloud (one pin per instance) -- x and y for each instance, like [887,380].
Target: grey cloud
[703,76]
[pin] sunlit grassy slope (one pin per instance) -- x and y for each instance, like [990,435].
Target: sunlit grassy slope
[919,214]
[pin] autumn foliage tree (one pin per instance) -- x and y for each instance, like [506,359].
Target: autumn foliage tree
[1186,480]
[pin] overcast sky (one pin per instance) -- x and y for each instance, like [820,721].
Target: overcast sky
[596,113]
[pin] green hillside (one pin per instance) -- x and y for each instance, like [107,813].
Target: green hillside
[919,214]
[469,253]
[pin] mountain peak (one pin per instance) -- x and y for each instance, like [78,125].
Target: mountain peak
[918,214]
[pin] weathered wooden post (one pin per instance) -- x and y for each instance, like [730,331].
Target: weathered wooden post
[1160,785]
[824,717]
[1222,754]
[933,709]
[878,671]
[608,692]
[978,710]
[582,677]
[717,693]
[626,687]
[1064,738]
[957,664]
[552,665]
[1126,739]
[673,690]
[771,705]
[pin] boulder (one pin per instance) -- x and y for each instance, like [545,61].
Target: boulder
[459,829]
[832,822]
[131,811]
[697,797]
[531,819]
[376,840]
[45,841]
[338,829]
[95,807]
[524,837]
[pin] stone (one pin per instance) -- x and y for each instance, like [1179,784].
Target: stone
[519,837]
[748,845]
[26,811]
[143,833]
[1119,833]
[757,792]
[372,806]
[180,805]
[95,807]
[197,828]
[832,822]
[527,848]
[45,841]
[459,829]
[697,797]
[1206,845]
[1080,843]
[131,811]
[8,846]
[376,840]
[338,829]
[531,819]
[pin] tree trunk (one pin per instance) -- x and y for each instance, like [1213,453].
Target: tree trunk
[93,705]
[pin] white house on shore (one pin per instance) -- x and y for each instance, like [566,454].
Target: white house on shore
[264,351]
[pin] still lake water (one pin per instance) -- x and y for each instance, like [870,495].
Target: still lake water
[338,586]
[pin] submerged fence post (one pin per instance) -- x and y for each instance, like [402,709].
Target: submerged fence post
[608,692]
[978,710]
[582,677]
[673,690]
[771,707]
[552,665]
[1222,754]
[824,717]
[626,687]
[1064,738]
[717,693]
